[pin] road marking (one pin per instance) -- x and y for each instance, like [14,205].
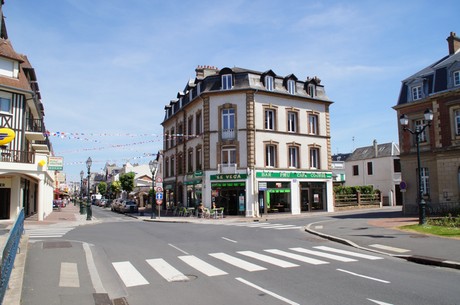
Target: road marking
[237,262]
[393,249]
[48,232]
[178,249]
[228,239]
[202,266]
[167,271]
[94,275]
[364,276]
[129,275]
[366,256]
[290,228]
[69,275]
[301,258]
[268,259]
[326,255]
[379,302]
[277,296]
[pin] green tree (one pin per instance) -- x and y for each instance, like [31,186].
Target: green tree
[102,188]
[127,182]
[115,188]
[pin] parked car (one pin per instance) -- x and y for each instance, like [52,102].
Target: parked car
[129,206]
[103,203]
[115,206]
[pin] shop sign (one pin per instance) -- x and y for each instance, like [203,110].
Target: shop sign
[262,186]
[229,176]
[198,174]
[295,175]
[55,163]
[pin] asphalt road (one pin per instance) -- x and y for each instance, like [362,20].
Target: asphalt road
[120,260]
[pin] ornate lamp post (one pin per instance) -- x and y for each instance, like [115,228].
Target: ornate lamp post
[89,212]
[81,192]
[153,168]
[404,121]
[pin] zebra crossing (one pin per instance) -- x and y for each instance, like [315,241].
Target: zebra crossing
[47,232]
[249,261]
[262,225]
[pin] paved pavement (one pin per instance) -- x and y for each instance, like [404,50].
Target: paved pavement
[374,230]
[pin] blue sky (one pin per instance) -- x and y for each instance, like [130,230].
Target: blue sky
[107,68]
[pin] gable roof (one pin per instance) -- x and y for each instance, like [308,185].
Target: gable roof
[374,151]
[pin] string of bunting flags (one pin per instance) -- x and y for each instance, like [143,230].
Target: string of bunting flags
[85,136]
[146,155]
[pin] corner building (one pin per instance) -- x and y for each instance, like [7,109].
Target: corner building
[250,142]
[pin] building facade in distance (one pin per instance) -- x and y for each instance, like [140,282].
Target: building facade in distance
[250,142]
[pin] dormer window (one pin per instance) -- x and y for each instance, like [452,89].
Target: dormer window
[291,86]
[416,93]
[226,82]
[457,78]
[269,82]
[311,90]
[9,68]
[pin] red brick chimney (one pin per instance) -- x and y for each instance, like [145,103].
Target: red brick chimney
[454,43]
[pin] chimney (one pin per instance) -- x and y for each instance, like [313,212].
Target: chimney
[376,149]
[453,42]
[205,71]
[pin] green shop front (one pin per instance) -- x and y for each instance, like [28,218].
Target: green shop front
[228,191]
[294,192]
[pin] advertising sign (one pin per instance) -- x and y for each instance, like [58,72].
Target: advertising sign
[56,163]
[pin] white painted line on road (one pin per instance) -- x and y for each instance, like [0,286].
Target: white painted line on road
[202,266]
[326,255]
[301,258]
[364,276]
[228,239]
[129,274]
[94,275]
[318,227]
[268,259]
[291,227]
[388,248]
[237,262]
[178,249]
[277,296]
[355,254]
[275,225]
[69,275]
[379,302]
[167,271]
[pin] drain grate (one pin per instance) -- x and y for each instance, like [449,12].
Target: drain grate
[56,244]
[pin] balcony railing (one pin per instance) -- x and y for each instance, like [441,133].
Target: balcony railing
[228,134]
[17,156]
[34,125]
[226,168]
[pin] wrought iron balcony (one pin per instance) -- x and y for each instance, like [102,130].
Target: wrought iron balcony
[17,156]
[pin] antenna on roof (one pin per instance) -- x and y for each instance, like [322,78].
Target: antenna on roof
[353,140]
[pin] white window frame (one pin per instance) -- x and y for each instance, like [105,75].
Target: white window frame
[457,122]
[270,115]
[198,162]
[314,158]
[457,78]
[228,155]
[416,93]
[5,105]
[228,123]
[418,125]
[311,90]
[292,121]
[270,155]
[269,83]
[313,125]
[291,86]
[227,81]
[293,157]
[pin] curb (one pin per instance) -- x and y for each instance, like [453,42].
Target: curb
[424,260]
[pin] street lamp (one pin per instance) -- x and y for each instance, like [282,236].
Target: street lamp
[404,121]
[89,212]
[153,164]
[81,191]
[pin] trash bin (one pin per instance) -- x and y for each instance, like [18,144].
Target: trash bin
[82,208]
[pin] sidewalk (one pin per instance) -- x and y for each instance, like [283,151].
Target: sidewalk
[377,231]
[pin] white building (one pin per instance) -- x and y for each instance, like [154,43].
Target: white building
[379,166]
[249,142]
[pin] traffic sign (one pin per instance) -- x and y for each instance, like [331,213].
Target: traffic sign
[159,202]
[159,189]
[159,180]
[159,196]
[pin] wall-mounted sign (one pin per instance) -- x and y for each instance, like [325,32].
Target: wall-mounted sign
[295,175]
[6,135]
[55,163]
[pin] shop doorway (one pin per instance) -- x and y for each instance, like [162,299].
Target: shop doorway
[5,195]
[312,196]
[233,200]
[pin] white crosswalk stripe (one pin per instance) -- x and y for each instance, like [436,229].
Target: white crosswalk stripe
[263,225]
[132,277]
[49,232]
